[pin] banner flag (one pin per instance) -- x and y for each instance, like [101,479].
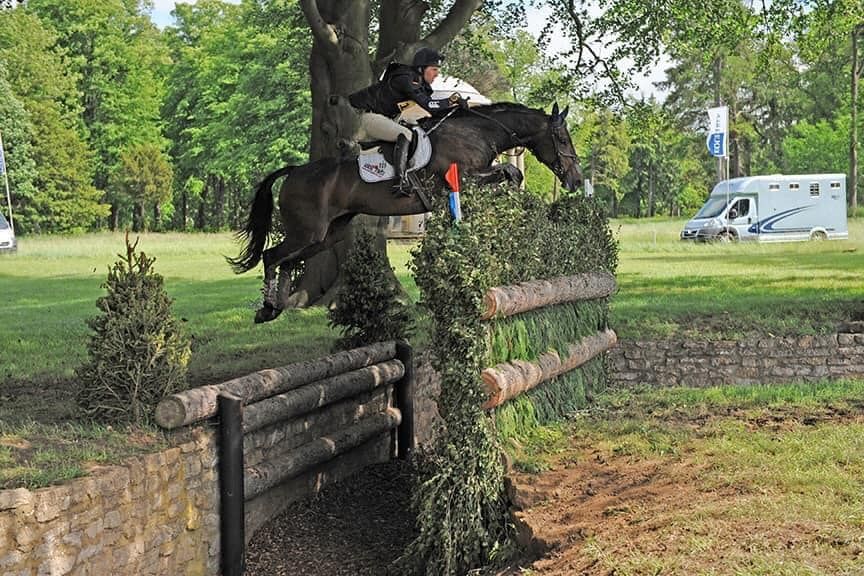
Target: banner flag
[718,131]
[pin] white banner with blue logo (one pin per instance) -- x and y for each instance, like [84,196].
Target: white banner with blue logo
[718,131]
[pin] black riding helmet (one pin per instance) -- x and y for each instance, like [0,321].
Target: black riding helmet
[427,57]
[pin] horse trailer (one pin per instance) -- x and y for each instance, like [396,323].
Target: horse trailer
[773,209]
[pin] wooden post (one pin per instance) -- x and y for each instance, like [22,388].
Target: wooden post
[231,510]
[404,390]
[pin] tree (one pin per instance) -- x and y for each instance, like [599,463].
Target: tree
[120,63]
[64,198]
[238,103]
[18,152]
[604,143]
[819,147]
[144,175]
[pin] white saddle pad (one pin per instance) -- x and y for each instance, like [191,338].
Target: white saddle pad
[375,168]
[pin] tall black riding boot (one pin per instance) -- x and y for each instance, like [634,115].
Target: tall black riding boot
[400,162]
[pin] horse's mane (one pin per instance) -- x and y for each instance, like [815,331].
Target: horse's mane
[497,108]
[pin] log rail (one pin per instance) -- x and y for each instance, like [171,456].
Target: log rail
[507,380]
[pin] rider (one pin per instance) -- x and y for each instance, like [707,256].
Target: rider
[379,104]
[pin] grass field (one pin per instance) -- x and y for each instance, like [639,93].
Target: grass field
[667,288]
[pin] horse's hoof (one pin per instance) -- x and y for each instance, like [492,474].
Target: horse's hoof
[266,313]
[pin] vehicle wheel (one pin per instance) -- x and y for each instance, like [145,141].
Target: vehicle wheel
[726,237]
[818,236]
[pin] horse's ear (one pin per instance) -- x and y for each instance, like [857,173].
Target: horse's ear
[564,113]
[554,109]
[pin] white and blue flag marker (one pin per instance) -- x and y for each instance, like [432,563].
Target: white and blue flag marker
[718,131]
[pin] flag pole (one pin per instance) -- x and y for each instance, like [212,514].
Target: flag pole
[6,182]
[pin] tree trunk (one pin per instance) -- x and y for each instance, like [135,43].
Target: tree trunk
[184,210]
[853,129]
[190,406]
[651,181]
[339,65]
[201,218]
[138,217]
[157,216]
[114,219]
[219,203]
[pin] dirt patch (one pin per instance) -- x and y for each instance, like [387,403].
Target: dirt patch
[355,528]
[599,513]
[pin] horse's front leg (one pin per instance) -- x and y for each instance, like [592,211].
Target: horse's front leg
[500,173]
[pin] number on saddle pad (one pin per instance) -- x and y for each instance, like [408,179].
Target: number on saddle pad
[374,167]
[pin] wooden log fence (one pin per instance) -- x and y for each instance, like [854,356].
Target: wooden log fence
[507,380]
[296,419]
[504,301]
[197,404]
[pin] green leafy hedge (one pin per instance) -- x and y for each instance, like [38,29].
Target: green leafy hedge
[507,236]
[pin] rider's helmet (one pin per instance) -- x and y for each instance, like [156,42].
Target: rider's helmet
[427,57]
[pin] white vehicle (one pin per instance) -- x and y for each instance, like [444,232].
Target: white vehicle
[773,209]
[7,237]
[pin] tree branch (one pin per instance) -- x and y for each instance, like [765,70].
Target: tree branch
[583,45]
[323,32]
[450,26]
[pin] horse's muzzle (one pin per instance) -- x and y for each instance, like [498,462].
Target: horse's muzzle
[572,183]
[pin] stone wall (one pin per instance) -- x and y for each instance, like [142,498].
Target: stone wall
[750,361]
[156,514]
[159,514]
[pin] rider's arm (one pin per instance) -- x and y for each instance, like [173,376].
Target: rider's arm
[414,91]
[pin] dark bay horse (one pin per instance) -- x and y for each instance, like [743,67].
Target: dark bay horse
[318,200]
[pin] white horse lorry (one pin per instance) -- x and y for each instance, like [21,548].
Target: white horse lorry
[773,208]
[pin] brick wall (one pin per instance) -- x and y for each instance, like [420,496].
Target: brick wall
[750,361]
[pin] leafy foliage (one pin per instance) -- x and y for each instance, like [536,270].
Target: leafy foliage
[507,236]
[138,352]
[368,309]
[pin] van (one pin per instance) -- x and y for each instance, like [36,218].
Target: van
[773,209]
[7,236]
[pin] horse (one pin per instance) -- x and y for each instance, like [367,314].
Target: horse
[318,200]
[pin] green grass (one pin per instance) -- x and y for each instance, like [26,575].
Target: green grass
[670,288]
[35,455]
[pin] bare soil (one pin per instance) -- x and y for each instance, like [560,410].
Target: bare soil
[594,508]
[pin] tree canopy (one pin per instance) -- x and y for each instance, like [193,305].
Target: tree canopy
[232,91]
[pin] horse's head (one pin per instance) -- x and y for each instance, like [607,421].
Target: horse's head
[554,148]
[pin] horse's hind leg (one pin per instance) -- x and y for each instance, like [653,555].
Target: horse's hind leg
[283,253]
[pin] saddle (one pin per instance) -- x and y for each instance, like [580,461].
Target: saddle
[375,161]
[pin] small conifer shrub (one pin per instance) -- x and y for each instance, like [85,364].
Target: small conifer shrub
[367,308]
[137,352]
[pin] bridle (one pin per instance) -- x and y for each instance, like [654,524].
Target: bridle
[558,165]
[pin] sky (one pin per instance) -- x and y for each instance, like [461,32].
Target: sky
[536,17]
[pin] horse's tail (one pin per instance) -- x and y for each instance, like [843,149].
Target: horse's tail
[257,228]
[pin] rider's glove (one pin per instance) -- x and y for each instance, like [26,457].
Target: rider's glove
[462,103]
